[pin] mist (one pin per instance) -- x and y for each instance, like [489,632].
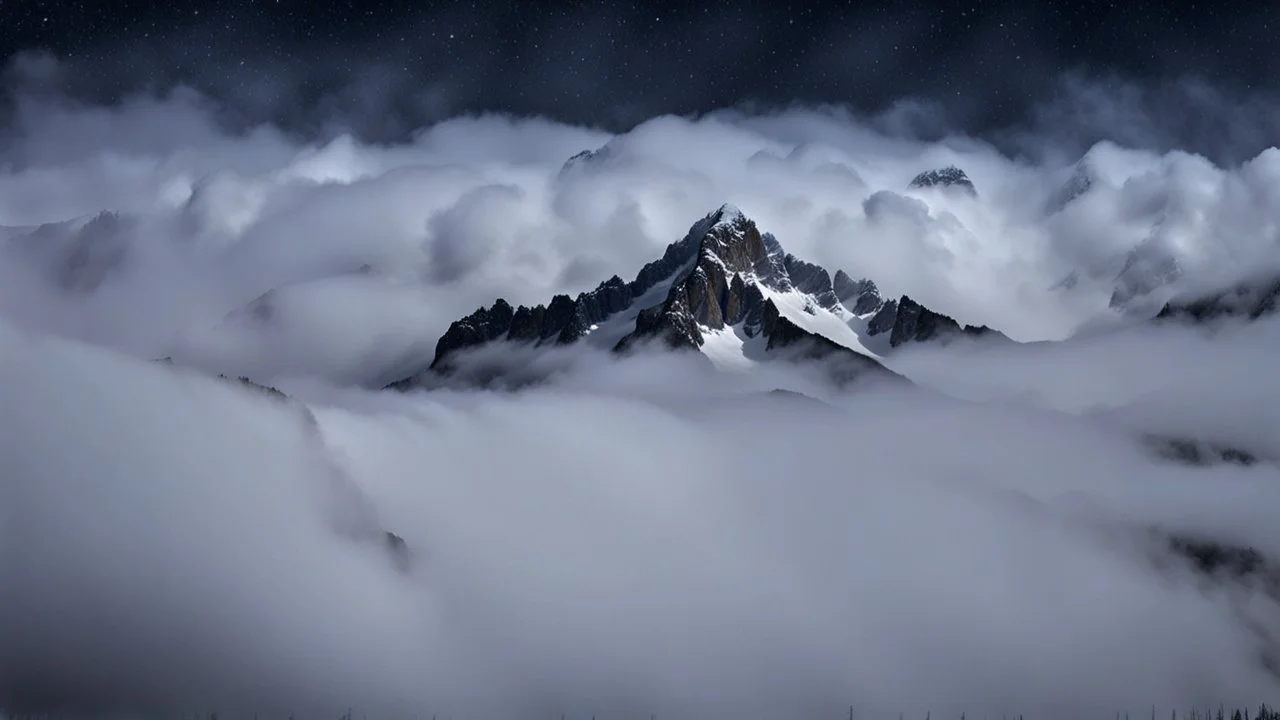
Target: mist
[630,535]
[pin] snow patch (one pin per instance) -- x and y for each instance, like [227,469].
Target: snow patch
[609,332]
[728,214]
[837,326]
[730,350]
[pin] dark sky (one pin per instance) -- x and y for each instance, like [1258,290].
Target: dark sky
[385,68]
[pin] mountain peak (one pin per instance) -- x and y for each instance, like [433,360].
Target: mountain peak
[712,292]
[1078,183]
[949,176]
[728,213]
[586,159]
[726,283]
[1149,269]
[860,296]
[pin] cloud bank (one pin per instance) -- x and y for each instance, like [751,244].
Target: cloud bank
[636,536]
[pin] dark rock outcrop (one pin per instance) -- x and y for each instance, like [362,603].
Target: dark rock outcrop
[669,323]
[860,296]
[720,275]
[563,321]
[1248,301]
[1249,574]
[713,293]
[398,549]
[947,177]
[677,256]
[78,258]
[812,280]
[586,159]
[1197,453]
[256,387]
[1080,182]
[566,320]
[1070,281]
[482,326]
[793,342]
[1215,558]
[908,321]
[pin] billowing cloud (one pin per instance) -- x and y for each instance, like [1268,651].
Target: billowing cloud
[632,535]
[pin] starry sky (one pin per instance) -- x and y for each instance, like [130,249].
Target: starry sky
[383,69]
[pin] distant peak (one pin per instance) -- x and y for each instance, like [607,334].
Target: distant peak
[949,176]
[587,158]
[1079,183]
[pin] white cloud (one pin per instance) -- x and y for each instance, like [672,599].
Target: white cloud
[638,534]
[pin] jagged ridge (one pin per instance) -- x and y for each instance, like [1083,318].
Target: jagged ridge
[565,320]
[908,321]
[949,176]
[722,274]
[1250,300]
[713,293]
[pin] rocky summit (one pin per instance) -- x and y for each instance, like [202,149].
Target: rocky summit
[1079,183]
[906,320]
[585,160]
[715,293]
[725,283]
[947,177]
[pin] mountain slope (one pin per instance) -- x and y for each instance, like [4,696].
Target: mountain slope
[725,290]
[77,255]
[1248,300]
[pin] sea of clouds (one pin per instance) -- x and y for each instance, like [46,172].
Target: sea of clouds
[637,535]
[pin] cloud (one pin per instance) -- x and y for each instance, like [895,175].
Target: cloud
[269,211]
[582,552]
[640,534]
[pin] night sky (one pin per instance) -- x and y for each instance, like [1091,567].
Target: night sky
[383,69]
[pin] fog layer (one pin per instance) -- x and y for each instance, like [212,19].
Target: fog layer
[638,535]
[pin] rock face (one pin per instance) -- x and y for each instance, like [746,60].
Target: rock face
[908,321]
[812,280]
[713,293]
[565,320]
[1147,268]
[1211,558]
[398,549]
[1080,182]
[860,296]
[947,177]
[722,274]
[585,160]
[1198,453]
[247,383]
[1139,279]
[1248,301]
[78,256]
[562,321]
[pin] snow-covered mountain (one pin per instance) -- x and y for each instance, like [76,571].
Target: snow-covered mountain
[726,290]
[586,159]
[1076,185]
[946,177]
[1143,278]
